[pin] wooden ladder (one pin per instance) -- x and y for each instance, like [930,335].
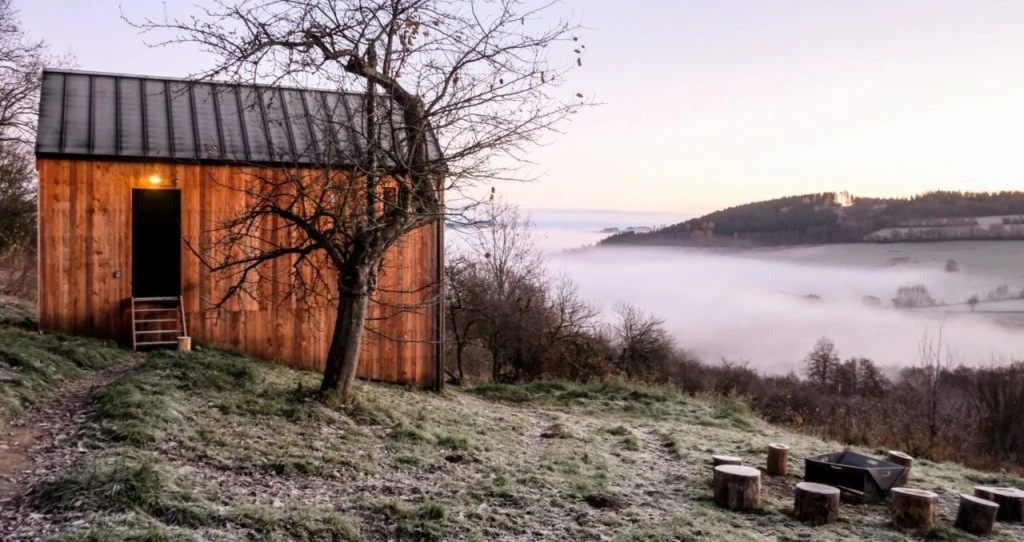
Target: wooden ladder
[157,321]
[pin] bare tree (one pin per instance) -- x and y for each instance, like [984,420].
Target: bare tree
[456,93]
[511,294]
[17,198]
[501,297]
[21,62]
[465,292]
[644,345]
[822,364]
[935,361]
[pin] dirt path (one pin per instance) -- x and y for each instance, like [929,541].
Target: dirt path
[37,443]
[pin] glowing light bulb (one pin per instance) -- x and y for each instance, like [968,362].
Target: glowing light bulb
[155,179]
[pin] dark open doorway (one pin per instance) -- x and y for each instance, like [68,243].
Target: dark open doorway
[156,243]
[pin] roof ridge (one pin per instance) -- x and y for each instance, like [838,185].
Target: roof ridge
[190,80]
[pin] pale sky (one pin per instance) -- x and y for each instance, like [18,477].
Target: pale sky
[714,103]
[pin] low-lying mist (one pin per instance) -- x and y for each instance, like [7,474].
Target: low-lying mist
[756,306]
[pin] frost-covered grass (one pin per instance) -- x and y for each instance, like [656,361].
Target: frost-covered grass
[33,366]
[211,446]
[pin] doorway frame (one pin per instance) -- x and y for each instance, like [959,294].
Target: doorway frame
[131,233]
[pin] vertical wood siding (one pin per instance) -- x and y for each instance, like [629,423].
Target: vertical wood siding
[85,237]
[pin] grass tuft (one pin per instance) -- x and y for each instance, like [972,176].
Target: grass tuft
[154,533]
[306,524]
[558,431]
[294,466]
[135,409]
[18,313]
[453,442]
[424,522]
[116,487]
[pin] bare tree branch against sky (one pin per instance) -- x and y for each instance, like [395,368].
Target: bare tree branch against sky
[739,100]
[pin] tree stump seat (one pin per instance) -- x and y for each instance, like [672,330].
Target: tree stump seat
[778,460]
[737,487]
[816,504]
[976,515]
[717,460]
[1010,501]
[902,460]
[914,509]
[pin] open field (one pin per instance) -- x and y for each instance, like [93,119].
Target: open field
[210,446]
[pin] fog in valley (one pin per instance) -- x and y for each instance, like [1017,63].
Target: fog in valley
[759,305]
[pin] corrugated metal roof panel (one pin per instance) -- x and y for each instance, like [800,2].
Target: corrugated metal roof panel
[298,124]
[129,118]
[158,137]
[205,111]
[77,95]
[254,124]
[51,112]
[104,116]
[231,128]
[280,138]
[182,124]
[122,116]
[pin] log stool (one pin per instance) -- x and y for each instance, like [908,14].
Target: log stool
[976,515]
[717,460]
[902,460]
[1010,501]
[737,487]
[816,504]
[778,460]
[914,508]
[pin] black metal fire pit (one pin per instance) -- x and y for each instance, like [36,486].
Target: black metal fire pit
[860,477]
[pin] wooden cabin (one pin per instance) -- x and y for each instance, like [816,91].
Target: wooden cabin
[135,171]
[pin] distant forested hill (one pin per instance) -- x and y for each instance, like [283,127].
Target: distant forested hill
[841,218]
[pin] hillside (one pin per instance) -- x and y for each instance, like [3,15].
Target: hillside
[210,446]
[841,218]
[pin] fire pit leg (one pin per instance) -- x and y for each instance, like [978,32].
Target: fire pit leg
[976,515]
[816,504]
[1010,501]
[914,508]
[737,487]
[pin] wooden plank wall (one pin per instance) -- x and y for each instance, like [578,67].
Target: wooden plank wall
[85,237]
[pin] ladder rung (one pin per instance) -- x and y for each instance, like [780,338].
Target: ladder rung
[155,343]
[159,332]
[148,299]
[137,322]
[168,309]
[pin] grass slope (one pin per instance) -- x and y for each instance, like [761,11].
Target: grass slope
[33,366]
[215,447]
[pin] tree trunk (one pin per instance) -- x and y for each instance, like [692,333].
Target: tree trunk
[778,460]
[816,504]
[914,509]
[1010,501]
[737,488]
[346,344]
[976,515]
[496,365]
[459,348]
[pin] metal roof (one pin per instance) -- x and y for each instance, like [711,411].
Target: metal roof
[97,115]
